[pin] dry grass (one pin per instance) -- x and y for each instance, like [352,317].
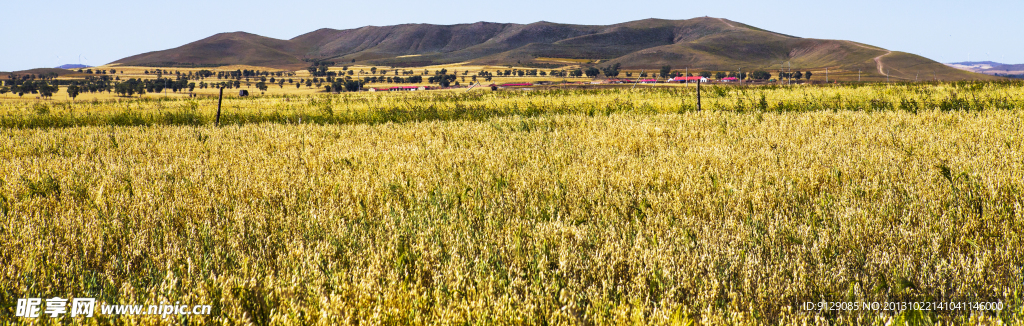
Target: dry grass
[645,214]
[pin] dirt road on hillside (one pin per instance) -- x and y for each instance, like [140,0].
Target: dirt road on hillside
[878,59]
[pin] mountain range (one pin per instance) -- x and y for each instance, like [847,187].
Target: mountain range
[989,67]
[698,43]
[73,66]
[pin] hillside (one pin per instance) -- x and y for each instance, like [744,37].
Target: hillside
[224,49]
[39,71]
[698,43]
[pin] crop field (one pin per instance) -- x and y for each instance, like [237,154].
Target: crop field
[569,207]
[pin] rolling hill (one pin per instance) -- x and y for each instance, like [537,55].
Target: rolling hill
[40,71]
[698,43]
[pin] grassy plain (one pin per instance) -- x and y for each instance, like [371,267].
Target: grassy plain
[543,207]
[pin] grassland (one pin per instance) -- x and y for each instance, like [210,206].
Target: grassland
[543,207]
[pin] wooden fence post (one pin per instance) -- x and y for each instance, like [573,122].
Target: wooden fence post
[698,94]
[219,100]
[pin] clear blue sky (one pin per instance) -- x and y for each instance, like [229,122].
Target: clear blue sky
[35,33]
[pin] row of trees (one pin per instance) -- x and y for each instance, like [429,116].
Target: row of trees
[343,85]
[320,69]
[98,71]
[46,76]
[22,84]
[42,88]
[91,84]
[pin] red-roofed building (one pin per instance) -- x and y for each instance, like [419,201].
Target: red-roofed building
[730,79]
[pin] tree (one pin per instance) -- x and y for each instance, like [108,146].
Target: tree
[760,75]
[46,90]
[261,86]
[665,70]
[592,72]
[73,91]
[353,85]
[798,75]
[612,71]
[4,90]
[191,86]
[705,74]
[373,70]
[719,75]
[807,75]
[130,87]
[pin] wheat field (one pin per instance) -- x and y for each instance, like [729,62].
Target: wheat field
[548,207]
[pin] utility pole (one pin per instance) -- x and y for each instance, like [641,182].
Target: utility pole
[789,76]
[637,78]
[858,75]
[826,75]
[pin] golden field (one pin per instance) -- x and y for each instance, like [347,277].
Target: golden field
[543,207]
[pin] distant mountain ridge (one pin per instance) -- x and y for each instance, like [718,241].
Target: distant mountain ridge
[988,67]
[698,43]
[73,66]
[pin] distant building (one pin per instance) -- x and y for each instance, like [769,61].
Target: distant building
[730,79]
[690,79]
[407,88]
